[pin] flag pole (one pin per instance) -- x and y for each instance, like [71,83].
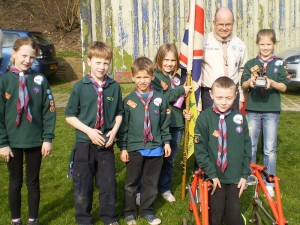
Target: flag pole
[187,100]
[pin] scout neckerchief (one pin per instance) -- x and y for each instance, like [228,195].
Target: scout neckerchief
[222,160]
[173,85]
[23,100]
[224,43]
[100,110]
[147,124]
[265,64]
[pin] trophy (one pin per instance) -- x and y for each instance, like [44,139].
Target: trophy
[260,80]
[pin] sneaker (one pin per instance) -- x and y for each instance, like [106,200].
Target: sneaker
[168,196]
[114,223]
[152,219]
[130,220]
[34,222]
[16,223]
[138,199]
[271,191]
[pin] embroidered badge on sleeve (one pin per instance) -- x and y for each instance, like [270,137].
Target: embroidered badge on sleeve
[164,85]
[7,95]
[132,104]
[196,138]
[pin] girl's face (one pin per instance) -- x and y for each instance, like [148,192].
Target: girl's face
[23,57]
[169,63]
[266,47]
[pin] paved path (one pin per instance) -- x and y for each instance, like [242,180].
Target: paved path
[288,103]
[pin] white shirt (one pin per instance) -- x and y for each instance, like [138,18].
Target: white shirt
[213,62]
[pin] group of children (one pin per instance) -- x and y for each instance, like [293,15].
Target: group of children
[148,126]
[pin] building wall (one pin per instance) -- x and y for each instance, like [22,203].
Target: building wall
[138,27]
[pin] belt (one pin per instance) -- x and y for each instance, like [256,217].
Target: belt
[205,88]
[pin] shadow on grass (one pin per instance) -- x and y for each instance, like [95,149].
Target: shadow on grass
[57,208]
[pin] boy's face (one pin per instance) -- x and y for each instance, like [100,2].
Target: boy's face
[142,79]
[99,67]
[223,97]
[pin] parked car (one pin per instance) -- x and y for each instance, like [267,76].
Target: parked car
[46,63]
[292,59]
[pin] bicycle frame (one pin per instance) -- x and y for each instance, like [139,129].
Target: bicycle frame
[198,191]
[276,206]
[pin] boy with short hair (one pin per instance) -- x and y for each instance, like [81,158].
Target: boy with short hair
[145,129]
[223,151]
[95,111]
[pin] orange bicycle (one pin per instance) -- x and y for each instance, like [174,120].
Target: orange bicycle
[275,204]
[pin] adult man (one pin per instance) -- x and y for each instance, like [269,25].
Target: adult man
[224,55]
[1,44]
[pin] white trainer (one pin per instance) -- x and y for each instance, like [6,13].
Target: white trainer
[138,199]
[271,191]
[168,196]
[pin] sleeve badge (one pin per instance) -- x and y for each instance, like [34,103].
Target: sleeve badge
[164,85]
[196,139]
[132,104]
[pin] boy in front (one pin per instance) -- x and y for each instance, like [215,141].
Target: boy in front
[95,111]
[145,130]
[223,151]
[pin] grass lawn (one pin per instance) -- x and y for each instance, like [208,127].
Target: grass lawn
[57,207]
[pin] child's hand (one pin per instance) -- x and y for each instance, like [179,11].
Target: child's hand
[242,186]
[6,153]
[167,149]
[269,83]
[96,137]
[111,135]
[46,149]
[216,183]
[187,114]
[253,80]
[187,89]
[124,156]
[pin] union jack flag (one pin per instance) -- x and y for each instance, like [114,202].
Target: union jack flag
[197,45]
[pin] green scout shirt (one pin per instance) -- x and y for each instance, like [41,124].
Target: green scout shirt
[41,103]
[270,101]
[238,142]
[162,84]
[131,132]
[83,105]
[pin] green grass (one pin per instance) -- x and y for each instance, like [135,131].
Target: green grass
[61,86]
[69,53]
[57,206]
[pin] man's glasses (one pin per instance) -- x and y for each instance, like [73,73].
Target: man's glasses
[226,26]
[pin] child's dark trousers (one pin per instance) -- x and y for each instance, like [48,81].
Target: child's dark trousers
[91,162]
